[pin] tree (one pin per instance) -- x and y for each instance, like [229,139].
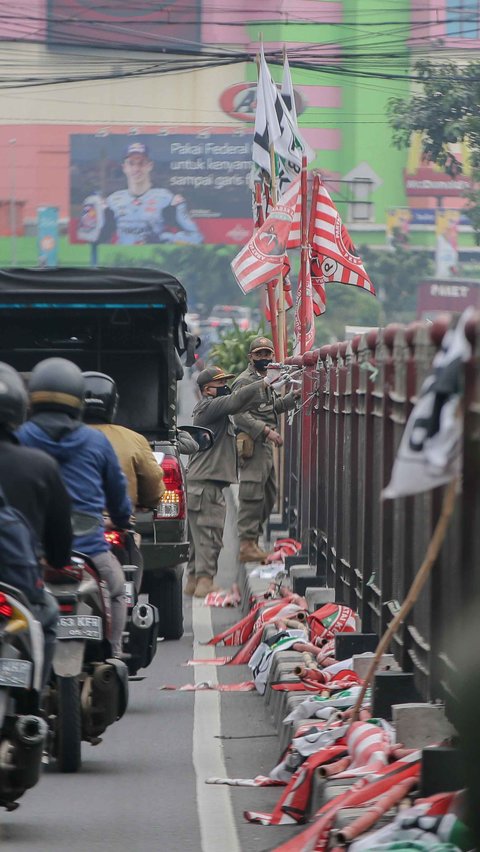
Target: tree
[445,113]
[203,270]
[396,275]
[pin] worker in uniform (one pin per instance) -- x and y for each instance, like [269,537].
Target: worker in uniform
[211,471]
[257,435]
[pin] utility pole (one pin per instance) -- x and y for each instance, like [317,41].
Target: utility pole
[13,201]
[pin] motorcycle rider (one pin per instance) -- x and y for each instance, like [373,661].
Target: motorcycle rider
[89,467]
[144,475]
[32,485]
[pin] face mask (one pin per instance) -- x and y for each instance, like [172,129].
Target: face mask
[223,391]
[262,363]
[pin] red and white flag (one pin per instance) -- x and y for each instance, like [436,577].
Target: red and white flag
[262,259]
[304,312]
[319,296]
[334,257]
[295,238]
[287,293]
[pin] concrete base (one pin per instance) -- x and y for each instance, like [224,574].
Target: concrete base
[420,725]
[317,596]
[361,663]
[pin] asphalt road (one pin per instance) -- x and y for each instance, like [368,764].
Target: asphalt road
[143,787]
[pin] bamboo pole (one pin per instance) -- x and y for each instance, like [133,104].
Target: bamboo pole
[302,283]
[281,294]
[419,581]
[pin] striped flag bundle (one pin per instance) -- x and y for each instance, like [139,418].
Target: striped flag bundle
[263,258]
[334,257]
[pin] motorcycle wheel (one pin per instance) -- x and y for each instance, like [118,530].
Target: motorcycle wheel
[69,725]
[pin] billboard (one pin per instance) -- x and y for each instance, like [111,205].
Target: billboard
[47,236]
[185,187]
[162,23]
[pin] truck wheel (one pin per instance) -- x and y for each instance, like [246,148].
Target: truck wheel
[69,725]
[166,595]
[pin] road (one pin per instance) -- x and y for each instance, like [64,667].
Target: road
[143,787]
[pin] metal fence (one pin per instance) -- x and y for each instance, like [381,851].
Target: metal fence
[339,454]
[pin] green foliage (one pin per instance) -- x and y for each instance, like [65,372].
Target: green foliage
[446,112]
[345,306]
[231,353]
[396,275]
[204,271]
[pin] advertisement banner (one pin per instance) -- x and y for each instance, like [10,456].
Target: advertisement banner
[161,23]
[47,236]
[188,187]
[446,251]
[398,226]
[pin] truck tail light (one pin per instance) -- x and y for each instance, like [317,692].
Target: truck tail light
[172,504]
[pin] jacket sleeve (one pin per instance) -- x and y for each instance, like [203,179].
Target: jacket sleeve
[285,403]
[239,400]
[57,534]
[149,476]
[115,484]
[245,421]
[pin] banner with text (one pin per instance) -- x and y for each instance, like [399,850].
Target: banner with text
[179,187]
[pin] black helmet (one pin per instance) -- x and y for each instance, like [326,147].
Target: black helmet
[101,398]
[13,398]
[57,385]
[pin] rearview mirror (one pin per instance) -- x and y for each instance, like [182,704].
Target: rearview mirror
[203,437]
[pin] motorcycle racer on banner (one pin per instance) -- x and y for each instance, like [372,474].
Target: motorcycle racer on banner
[141,213]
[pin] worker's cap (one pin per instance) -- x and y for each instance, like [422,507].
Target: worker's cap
[136,148]
[212,374]
[261,343]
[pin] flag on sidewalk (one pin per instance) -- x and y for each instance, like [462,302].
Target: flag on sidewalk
[274,126]
[262,259]
[334,257]
[430,452]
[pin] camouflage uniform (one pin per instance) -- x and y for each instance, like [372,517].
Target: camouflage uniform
[213,470]
[258,487]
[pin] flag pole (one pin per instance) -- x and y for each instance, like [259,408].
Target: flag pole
[269,290]
[281,295]
[304,252]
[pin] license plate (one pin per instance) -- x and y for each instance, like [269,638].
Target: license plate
[129,592]
[15,672]
[79,627]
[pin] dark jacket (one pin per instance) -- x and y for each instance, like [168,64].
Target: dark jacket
[32,484]
[220,462]
[90,471]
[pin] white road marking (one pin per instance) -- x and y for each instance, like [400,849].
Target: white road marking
[215,812]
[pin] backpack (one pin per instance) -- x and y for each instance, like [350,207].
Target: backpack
[19,550]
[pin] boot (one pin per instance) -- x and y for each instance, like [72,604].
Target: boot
[204,586]
[190,585]
[250,552]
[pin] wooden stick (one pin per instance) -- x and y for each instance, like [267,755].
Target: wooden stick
[281,294]
[419,581]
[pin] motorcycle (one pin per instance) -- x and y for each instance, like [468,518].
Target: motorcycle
[88,689]
[141,634]
[22,730]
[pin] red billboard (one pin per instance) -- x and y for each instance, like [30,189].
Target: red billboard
[158,24]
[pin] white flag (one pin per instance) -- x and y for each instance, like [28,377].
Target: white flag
[274,126]
[430,452]
[288,93]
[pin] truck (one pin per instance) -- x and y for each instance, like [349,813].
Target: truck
[130,324]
